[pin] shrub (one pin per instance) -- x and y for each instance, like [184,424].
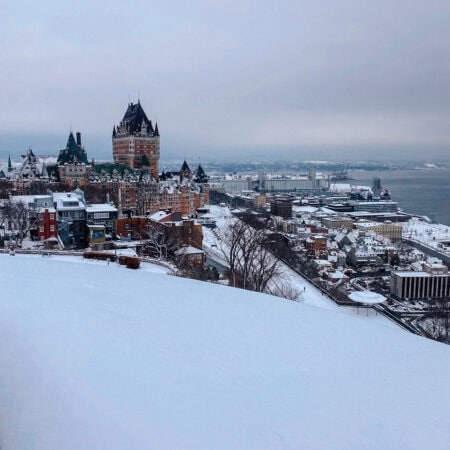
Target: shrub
[99,256]
[132,262]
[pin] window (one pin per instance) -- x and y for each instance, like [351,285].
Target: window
[41,229]
[52,227]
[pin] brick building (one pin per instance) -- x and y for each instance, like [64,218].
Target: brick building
[338,222]
[186,232]
[47,226]
[316,245]
[135,142]
[281,207]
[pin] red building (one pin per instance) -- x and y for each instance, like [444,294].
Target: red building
[46,223]
[316,245]
[185,232]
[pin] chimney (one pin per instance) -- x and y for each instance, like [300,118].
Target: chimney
[78,138]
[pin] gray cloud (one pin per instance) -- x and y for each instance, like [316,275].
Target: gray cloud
[249,79]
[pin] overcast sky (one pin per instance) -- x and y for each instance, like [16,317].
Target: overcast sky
[230,79]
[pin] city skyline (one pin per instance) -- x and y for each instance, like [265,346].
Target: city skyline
[296,81]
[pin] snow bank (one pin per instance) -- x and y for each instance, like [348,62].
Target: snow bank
[101,357]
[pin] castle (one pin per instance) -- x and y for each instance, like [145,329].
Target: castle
[136,142]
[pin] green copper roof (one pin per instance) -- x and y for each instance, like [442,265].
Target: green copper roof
[73,153]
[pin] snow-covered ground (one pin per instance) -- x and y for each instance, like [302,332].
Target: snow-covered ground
[433,235]
[213,241]
[102,357]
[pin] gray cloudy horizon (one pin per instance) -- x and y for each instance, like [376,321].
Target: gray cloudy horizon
[295,80]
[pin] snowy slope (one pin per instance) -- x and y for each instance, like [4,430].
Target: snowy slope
[214,242]
[101,357]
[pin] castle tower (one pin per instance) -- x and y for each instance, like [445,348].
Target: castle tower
[135,142]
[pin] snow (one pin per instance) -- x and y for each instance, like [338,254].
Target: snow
[189,250]
[410,274]
[367,297]
[101,207]
[159,216]
[309,294]
[433,235]
[102,357]
[347,187]
[305,209]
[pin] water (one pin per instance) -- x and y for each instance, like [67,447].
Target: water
[424,192]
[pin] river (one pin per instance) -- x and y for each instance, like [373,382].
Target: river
[424,192]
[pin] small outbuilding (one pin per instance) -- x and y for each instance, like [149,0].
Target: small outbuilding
[190,256]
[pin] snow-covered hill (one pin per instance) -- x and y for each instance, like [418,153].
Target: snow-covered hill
[101,357]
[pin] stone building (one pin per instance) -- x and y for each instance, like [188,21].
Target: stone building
[338,222]
[73,165]
[392,231]
[431,283]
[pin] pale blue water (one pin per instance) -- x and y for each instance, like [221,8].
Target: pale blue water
[424,192]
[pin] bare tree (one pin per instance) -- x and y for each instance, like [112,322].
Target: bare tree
[441,318]
[20,216]
[251,264]
[263,267]
[24,218]
[160,241]
[286,290]
[6,207]
[231,248]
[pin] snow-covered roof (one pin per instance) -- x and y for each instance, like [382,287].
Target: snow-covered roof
[304,208]
[207,216]
[27,199]
[100,207]
[50,209]
[411,274]
[328,211]
[337,275]
[157,216]
[322,262]
[367,297]
[189,250]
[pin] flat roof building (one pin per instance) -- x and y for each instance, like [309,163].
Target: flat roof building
[419,285]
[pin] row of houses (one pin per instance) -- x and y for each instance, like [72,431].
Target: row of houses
[60,217]
[67,220]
